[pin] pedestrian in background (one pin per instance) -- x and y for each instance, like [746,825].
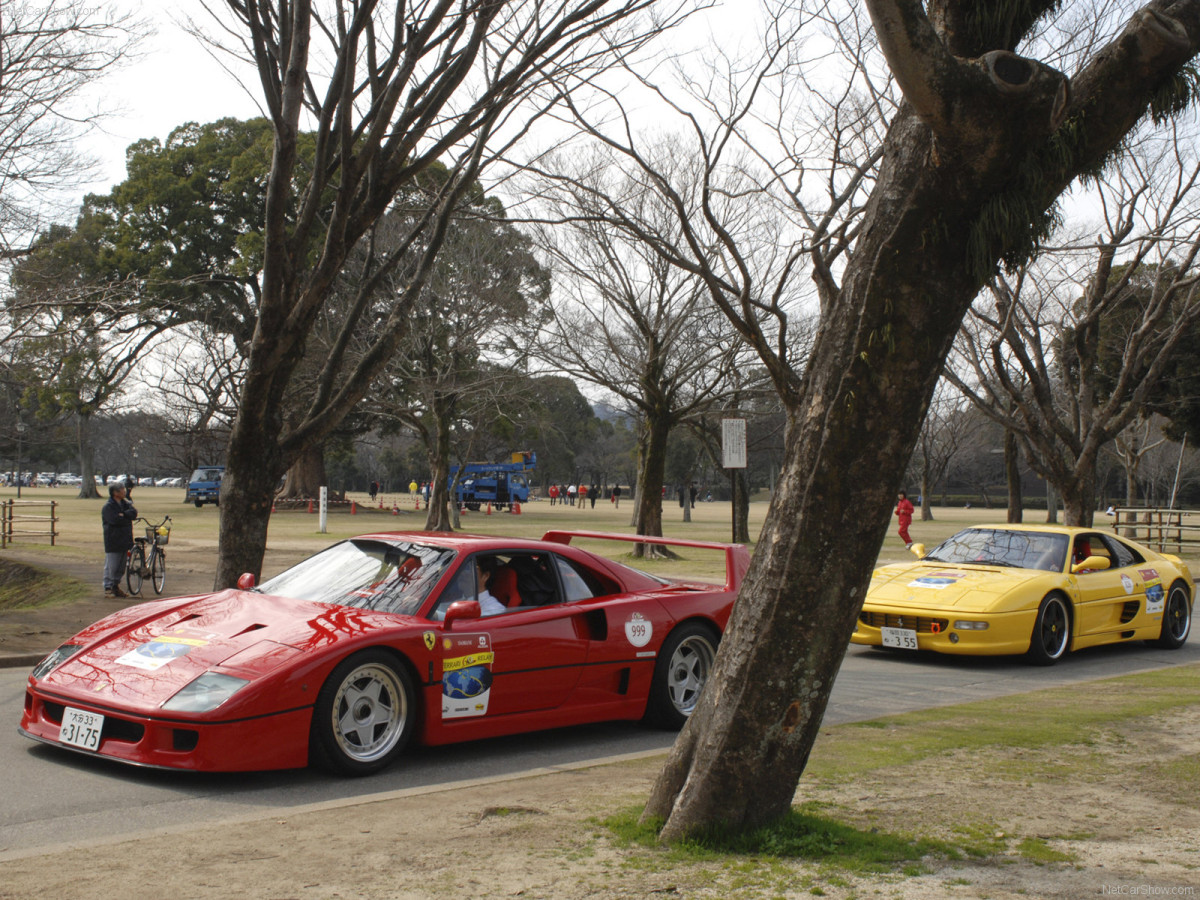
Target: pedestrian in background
[904,512]
[616,496]
[117,516]
[593,493]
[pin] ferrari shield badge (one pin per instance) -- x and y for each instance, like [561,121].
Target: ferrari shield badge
[430,640]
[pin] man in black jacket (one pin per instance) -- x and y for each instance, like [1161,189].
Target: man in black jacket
[117,515]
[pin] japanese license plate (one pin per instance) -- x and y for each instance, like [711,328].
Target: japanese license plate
[904,638]
[81,729]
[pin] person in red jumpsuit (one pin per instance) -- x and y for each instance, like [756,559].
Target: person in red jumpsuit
[904,511]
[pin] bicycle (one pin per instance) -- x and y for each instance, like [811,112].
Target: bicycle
[140,566]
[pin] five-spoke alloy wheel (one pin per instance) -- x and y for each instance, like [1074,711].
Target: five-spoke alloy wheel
[1051,631]
[364,713]
[684,666]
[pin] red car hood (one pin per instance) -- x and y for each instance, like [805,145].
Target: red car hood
[148,658]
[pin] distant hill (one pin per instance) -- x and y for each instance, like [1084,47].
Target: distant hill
[609,413]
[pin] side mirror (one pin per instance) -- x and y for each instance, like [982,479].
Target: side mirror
[246,581]
[918,550]
[462,609]
[1091,564]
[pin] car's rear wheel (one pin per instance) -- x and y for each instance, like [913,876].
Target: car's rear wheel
[364,715]
[1177,619]
[684,666]
[1051,631]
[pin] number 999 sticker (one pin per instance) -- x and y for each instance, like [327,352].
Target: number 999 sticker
[639,631]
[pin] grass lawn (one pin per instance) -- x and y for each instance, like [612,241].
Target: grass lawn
[296,533]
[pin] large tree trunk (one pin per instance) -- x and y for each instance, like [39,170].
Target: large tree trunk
[87,464]
[1079,496]
[306,475]
[1012,473]
[437,516]
[740,487]
[859,413]
[254,463]
[650,485]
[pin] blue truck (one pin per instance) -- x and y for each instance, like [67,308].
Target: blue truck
[205,486]
[500,484]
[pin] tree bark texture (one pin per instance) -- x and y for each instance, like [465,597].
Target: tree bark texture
[650,482]
[1012,475]
[306,475]
[929,241]
[87,466]
[437,514]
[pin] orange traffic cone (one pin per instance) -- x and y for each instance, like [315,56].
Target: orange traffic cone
[353,508]
[516,508]
[310,506]
[489,509]
[395,509]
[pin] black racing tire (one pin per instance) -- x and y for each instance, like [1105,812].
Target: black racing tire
[1051,635]
[364,715]
[1177,618]
[683,667]
[158,572]
[133,574]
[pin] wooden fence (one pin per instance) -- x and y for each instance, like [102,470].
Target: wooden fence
[14,523]
[1165,530]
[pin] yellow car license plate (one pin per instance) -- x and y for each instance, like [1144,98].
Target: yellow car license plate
[904,638]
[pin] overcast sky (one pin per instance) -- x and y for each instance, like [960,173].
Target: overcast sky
[173,80]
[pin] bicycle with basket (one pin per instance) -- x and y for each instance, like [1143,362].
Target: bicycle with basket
[148,557]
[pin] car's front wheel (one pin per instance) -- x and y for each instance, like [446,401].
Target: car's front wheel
[1051,632]
[684,666]
[1177,619]
[364,714]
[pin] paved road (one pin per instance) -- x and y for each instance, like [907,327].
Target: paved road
[53,797]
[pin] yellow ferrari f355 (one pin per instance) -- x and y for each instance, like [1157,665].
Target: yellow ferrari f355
[1038,590]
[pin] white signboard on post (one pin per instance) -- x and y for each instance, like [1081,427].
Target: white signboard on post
[323,517]
[733,443]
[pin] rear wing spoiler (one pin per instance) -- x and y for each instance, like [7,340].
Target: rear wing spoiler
[737,557]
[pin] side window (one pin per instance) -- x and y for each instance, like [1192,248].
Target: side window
[579,582]
[460,587]
[1122,554]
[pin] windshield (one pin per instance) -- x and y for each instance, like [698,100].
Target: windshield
[367,574]
[206,475]
[1001,547]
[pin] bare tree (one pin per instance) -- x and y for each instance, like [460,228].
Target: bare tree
[1038,352]
[50,52]
[913,227]
[1131,445]
[388,91]
[942,433]
[627,320]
